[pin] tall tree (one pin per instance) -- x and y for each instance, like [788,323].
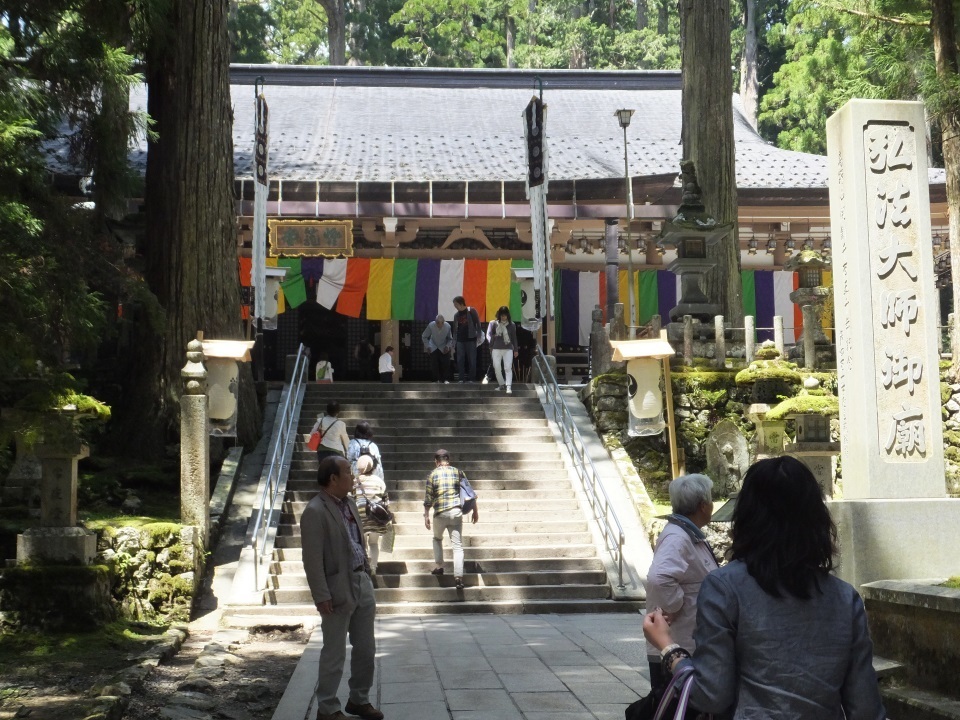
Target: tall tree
[943,28]
[191,223]
[749,86]
[708,138]
[336,11]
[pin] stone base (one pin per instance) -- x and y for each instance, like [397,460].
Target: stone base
[897,539]
[71,545]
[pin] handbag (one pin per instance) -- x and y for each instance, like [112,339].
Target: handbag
[376,510]
[313,442]
[672,704]
[468,498]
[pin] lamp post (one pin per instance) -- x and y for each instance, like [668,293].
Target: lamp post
[623,116]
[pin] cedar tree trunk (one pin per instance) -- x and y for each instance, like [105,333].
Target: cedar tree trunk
[336,30]
[942,23]
[191,223]
[708,138]
[749,90]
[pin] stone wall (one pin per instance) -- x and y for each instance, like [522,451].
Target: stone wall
[157,569]
[702,397]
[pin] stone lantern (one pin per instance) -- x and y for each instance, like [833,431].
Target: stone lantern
[809,266]
[274,276]
[812,410]
[691,232]
[771,379]
[528,307]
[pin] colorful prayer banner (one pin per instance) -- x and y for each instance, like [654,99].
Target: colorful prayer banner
[407,289]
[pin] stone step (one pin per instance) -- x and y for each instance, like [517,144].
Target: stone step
[283,596]
[289,527]
[374,405]
[546,477]
[421,447]
[478,482]
[249,616]
[420,465]
[390,566]
[338,390]
[310,489]
[493,508]
[471,553]
[471,539]
[381,580]
[904,702]
[416,426]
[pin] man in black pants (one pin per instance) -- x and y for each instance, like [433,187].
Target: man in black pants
[469,334]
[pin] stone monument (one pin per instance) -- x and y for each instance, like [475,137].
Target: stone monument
[895,521]
[727,457]
[194,443]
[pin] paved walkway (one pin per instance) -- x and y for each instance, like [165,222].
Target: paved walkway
[493,667]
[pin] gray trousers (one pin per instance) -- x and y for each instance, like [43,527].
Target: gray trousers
[451,521]
[335,628]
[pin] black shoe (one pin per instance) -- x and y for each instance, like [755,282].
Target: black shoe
[459,582]
[367,712]
[437,571]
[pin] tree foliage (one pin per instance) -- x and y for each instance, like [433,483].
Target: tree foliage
[59,267]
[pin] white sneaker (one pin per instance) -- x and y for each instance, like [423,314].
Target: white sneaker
[446,382]
[499,388]
[509,391]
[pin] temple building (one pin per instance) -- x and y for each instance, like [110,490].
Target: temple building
[393,190]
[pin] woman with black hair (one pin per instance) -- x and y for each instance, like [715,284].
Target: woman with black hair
[777,635]
[363,444]
[333,433]
[502,335]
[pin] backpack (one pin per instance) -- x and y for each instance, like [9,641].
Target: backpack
[365,450]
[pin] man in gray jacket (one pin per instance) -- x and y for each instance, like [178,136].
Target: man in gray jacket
[335,563]
[438,341]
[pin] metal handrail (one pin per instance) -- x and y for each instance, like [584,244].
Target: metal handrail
[289,417]
[603,512]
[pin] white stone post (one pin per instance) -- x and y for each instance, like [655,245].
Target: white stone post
[749,337]
[194,443]
[778,335]
[894,521]
[720,342]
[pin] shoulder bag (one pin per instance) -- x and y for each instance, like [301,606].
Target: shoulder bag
[468,498]
[313,442]
[377,511]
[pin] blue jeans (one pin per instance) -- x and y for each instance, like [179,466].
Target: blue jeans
[467,359]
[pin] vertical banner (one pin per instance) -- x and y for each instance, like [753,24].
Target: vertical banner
[259,253]
[535,116]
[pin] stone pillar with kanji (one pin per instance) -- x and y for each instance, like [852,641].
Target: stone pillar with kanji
[895,521]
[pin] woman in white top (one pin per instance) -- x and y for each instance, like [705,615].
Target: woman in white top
[324,370]
[368,486]
[502,335]
[363,444]
[333,433]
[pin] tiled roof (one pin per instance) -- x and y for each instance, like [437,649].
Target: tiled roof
[368,133]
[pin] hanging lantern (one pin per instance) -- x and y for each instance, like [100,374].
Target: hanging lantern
[645,383]
[222,358]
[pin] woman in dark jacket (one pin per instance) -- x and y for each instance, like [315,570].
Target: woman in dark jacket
[777,635]
[502,336]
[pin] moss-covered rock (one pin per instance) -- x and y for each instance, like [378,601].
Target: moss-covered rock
[769,370]
[805,404]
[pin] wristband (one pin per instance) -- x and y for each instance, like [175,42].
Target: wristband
[667,649]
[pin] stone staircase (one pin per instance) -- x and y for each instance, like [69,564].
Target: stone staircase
[532,550]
